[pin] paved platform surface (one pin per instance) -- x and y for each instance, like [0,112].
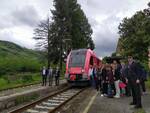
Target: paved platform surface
[113,105]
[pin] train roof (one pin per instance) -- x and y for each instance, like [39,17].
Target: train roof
[84,50]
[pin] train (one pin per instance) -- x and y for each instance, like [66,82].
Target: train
[78,65]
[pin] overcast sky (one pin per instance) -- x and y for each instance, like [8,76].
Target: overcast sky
[18,18]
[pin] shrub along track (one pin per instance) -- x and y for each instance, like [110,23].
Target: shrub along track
[50,103]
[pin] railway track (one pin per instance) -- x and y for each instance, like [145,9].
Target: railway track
[51,103]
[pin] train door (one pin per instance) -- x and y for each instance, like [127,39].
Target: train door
[91,60]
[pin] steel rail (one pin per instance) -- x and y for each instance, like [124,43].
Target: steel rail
[30,105]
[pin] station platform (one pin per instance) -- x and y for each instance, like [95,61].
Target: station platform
[100,104]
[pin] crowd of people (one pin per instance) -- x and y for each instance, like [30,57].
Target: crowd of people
[120,79]
[48,75]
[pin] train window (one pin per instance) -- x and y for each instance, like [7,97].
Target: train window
[77,59]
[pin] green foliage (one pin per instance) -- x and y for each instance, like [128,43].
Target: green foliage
[9,81]
[135,35]
[68,30]
[80,30]
[14,58]
[148,83]
[139,111]
[3,82]
[26,79]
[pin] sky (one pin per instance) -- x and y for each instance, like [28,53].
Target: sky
[18,19]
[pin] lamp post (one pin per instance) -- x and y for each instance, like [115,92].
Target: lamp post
[149,57]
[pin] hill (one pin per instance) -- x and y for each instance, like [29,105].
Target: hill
[14,58]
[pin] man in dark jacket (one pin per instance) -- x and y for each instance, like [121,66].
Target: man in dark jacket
[124,75]
[57,75]
[44,76]
[134,81]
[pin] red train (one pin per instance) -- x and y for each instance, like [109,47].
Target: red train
[78,64]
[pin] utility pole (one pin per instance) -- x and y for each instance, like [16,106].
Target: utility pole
[149,57]
[48,45]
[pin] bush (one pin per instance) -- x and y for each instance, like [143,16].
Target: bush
[3,82]
[8,65]
[27,78]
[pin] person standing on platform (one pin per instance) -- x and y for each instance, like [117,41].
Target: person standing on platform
[57,75]
[50,76]
[95,79]
[124,74]
[91,75]
[134,80]
[116,72]
[144,75]
[104,81]
[44,76]
[99,77]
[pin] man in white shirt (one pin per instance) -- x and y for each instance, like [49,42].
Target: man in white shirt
[50,76]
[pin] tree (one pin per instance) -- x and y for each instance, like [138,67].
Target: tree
[62,25]
[72,25]
[135,35]
[41,34]
[68,30]
[80,30]
[45,34]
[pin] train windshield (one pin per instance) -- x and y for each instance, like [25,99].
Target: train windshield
[77,59]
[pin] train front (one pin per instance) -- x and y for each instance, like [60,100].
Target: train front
[77,68]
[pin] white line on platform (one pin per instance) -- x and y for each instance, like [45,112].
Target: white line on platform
[90,103]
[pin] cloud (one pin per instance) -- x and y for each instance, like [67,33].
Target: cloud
[18,18]
[19,36]
[26,16]
[105,35]
[105,16]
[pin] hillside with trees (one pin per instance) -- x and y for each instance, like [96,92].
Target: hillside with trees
[15,59]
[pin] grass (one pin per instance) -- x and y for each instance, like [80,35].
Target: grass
[10,81]
[148,83]
[139,111]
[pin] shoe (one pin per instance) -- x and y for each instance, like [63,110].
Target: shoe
[138,107]
[132,103]
[105,95]
[102,95]
[144,93]
[116,96]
